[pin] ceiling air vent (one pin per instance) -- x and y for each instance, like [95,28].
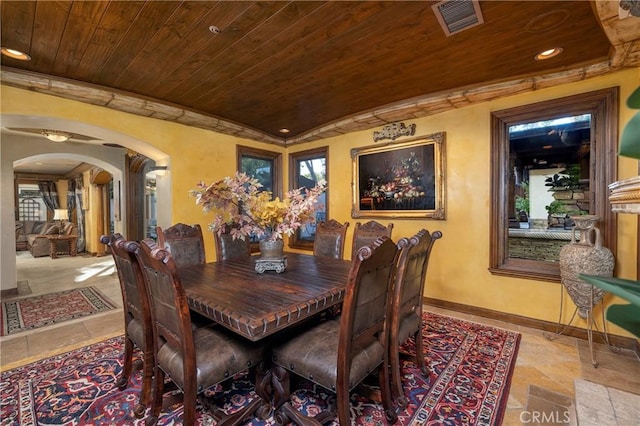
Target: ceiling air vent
[457,15]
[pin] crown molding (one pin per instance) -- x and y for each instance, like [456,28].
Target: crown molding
[418,107]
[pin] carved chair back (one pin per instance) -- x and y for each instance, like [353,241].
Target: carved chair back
[329,239]
[359,336]
[229,249]
[365,234]
[405,316]
[362,322]
[184,242]
[194,357]
[137,316]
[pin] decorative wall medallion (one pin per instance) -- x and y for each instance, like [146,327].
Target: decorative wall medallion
[393,131]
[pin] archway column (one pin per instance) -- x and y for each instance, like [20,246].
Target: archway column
[101,179]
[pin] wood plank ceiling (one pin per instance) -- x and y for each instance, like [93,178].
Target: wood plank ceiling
[299,65]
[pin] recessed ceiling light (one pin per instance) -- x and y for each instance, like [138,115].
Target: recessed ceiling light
[15,54]
[284,130]
[549,53]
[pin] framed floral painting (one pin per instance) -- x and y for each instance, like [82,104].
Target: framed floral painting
[400,180]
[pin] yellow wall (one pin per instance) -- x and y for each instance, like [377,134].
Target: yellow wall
[196,154]
[458,269]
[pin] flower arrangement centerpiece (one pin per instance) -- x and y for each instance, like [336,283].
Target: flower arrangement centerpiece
[242,209]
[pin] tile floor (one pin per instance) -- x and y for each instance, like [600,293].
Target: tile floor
[549,374]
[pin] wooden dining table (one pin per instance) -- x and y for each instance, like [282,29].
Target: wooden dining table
[233,294]
[256,306]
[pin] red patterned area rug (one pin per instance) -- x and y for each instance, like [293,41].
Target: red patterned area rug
[29,313]
[471,365]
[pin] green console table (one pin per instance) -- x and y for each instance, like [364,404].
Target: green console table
[625,316]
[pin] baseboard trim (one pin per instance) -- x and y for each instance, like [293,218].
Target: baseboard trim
[580,333]
[22,289]
[7,294]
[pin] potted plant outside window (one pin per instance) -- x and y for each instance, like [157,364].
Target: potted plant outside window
[569,196]
[557,213]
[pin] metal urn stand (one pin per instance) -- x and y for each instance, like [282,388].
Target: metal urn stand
[585,255]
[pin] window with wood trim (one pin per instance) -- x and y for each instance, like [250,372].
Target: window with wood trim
[306,169]
[266,166]
[533,143]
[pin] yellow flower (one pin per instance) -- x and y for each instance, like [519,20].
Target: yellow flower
[238,200]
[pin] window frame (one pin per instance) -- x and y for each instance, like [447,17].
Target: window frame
[27,207]
[262,154]
[294,159]
[603,107]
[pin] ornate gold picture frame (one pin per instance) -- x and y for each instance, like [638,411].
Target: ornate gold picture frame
[400,180]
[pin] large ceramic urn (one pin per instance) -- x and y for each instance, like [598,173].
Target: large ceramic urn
[585,255]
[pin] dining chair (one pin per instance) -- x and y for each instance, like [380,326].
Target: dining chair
[329,239]
[194,359]
[339,353]
[405,317]
[365,234]
[138,330]
[229,249]
[184,242]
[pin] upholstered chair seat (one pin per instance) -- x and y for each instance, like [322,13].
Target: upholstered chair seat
[408,326]
[318,347]
[135,331]
[137,319]
[219,355]
[194,358]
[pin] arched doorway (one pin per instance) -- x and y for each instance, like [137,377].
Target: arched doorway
[18,148]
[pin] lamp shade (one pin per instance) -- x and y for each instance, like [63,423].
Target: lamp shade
[61,214]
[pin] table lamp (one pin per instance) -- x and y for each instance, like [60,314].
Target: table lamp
[61,215]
